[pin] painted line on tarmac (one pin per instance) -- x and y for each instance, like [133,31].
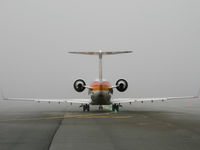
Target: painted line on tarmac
[122,117]
[98,115]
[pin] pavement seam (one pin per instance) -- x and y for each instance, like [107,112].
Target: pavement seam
[60,122]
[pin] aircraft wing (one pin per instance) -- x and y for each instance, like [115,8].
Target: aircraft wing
[130,100]
[79,101]
[62,100]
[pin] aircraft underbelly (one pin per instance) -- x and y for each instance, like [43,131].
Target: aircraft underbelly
[101,98]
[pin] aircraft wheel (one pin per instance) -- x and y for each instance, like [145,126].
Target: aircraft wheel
[115,107]
[84,108]
[88,107]
[100,108]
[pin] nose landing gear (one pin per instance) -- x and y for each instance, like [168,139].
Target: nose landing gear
[100,108]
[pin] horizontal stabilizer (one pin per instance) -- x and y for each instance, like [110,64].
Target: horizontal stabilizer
[100,52]
[100,55]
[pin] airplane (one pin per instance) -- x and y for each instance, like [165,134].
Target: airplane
[101,91]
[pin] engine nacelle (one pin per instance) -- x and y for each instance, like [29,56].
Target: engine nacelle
[122,85]
[79,85]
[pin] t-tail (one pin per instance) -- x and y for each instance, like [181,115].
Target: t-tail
[100,55]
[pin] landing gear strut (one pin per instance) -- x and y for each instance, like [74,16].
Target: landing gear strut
[115,107]
[100,108]
[86,107]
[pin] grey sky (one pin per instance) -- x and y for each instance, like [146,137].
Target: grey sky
[35,36]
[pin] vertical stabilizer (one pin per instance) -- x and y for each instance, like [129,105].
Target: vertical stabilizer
[100,55]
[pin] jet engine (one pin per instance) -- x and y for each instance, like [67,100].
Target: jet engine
[79,85]
[121,85]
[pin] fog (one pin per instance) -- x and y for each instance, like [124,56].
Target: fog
[35,37]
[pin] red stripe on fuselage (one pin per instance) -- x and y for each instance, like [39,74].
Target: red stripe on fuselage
[96,85]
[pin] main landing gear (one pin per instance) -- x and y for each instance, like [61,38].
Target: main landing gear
[86,107]
[115,107]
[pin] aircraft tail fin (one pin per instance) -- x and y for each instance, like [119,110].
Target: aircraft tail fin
[100,54]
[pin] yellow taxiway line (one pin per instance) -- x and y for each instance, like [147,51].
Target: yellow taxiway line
[97,115]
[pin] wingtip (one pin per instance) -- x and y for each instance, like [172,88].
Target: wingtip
[3,96]
[198,94]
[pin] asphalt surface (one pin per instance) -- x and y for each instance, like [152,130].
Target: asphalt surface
[166,126]
[19,130]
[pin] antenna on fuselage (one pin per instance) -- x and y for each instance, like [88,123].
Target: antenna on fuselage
[100,55]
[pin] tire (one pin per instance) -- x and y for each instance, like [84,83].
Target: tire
[115,107]
[84,108]
[88,107]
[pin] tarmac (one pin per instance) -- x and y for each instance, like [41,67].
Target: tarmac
[171,125]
